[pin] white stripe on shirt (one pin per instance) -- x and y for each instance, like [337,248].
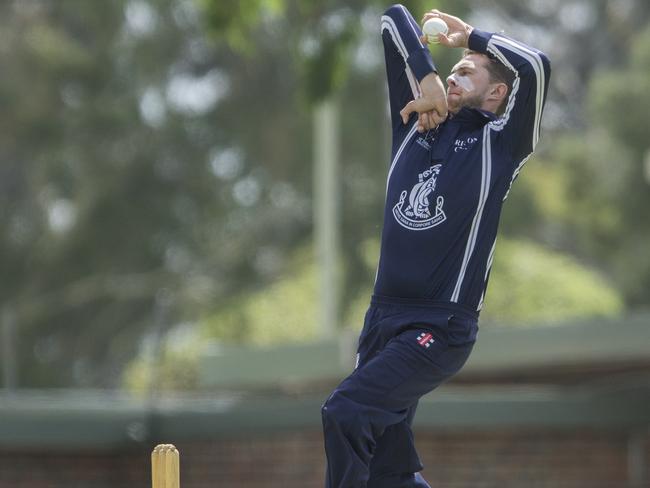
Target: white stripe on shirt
[486,170]
[487,272]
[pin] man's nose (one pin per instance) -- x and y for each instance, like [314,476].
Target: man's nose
[451,81]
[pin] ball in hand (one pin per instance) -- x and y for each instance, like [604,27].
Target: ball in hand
[433,27]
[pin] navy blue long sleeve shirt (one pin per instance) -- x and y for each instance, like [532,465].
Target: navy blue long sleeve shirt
[445,189]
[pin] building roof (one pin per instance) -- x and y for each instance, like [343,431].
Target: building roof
[252,391]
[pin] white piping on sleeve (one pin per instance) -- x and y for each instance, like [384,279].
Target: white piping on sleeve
[515,173]
[389,24]
[408,18]
[496,42]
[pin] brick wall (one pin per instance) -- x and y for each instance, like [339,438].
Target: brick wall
[453,459]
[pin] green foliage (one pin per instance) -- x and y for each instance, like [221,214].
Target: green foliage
[619,100]
[236,22]
[530,284]
[100,205]
[284,311]
[319,36]
[603,178]
[587,194]
[175,370]
[325,69]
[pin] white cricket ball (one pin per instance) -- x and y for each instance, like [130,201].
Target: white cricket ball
[433,27]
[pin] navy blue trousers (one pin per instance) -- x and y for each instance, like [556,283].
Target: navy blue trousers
[405,351]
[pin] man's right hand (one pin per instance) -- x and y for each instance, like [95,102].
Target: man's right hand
[431,106]
[459,30]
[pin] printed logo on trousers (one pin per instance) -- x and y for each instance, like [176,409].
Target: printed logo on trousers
[425,339]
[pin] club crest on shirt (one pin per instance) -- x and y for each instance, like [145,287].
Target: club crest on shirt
[420,211]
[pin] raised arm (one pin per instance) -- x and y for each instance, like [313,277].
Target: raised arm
[531,68]
[413,82]
[521,121]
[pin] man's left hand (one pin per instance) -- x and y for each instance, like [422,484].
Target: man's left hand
[431,106]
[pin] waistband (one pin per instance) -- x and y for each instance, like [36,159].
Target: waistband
[456,308]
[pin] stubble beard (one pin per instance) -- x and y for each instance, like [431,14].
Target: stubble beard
[470,101]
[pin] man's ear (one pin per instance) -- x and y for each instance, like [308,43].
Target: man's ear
[498,92]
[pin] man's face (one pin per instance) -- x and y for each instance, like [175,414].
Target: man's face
[468,83]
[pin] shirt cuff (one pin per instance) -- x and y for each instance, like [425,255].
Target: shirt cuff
[478,40]
[421,63]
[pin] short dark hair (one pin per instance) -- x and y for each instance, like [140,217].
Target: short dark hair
[499,73]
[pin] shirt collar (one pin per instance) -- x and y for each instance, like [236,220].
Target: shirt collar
[473,116]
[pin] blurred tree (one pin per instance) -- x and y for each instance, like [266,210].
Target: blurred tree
[588,193]
[619,104]
[140,159]
[105,175]
[319,36]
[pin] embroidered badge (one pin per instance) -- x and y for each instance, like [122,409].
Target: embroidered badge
[418,214]
[425,339]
